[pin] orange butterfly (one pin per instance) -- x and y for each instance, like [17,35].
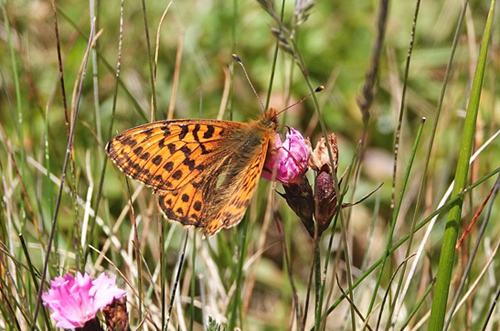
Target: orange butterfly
[203,171]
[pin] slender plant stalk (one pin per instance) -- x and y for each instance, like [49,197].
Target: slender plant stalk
[396,153]
[421,189]
[239,276]
[193,282]
[447,257]
[398,208]
[477,245]
[63,177]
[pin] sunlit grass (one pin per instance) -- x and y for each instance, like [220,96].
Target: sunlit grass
[267,273]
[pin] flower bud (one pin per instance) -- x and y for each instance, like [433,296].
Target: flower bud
[300,199]
[325,199]
[325,195]
[287,162]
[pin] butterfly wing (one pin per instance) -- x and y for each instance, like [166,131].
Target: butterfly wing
[166,155]
[233,211]
[204,171]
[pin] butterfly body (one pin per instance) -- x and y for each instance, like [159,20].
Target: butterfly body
[203,171]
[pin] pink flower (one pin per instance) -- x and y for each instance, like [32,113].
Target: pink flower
[76,300]
[287,161]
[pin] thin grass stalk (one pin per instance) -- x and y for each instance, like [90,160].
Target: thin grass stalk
[488,213]
[398,208]
[19,110]
[447,75]
[193,282]
[150,62]
[110,129]
[17,87]
[231,64]
[288,265]
[63,177]
[136,106]
[47,184]
[388,293]
[33,274]
[492,308]
[95,75]
[24,191]
[275,61]
[175,80]
[395,162]
[137,251]
[317,286]
[447,256]
[9,306]
[365,100]
[161,240]
[418,305]
[472,256]
[239,276]
[180,264]
[347,259]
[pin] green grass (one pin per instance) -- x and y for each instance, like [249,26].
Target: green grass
[373,268]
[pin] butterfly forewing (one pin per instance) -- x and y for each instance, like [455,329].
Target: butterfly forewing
[166,155]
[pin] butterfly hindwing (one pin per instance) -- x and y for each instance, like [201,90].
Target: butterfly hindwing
[234,210]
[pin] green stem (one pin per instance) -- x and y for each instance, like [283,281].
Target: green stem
[447,257]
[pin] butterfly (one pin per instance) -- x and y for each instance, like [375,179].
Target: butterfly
[204,172]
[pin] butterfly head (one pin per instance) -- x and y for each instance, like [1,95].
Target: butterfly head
[271,118]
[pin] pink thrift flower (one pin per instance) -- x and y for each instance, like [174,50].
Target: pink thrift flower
[76,300]
[287,160]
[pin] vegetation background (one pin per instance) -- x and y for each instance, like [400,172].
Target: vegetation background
[254,276]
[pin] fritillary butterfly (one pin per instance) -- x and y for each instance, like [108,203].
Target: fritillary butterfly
[203,171]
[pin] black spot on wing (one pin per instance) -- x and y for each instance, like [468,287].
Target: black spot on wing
[138,150]
[171,148]
[189,163]
[184,131]
[195,132]
[177,175]
[169,166]
[157,160]
[186,150]
[210,132]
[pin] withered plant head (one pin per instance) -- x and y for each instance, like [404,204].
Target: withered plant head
[301,200]
[116,315]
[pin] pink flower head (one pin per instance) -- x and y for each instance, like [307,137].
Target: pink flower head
[76,300]
[287,161]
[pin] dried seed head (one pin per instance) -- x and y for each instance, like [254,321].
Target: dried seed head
[116,316]
[325,195]
[320,156]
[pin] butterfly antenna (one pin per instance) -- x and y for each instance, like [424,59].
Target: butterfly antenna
[318,89]
[238,60]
